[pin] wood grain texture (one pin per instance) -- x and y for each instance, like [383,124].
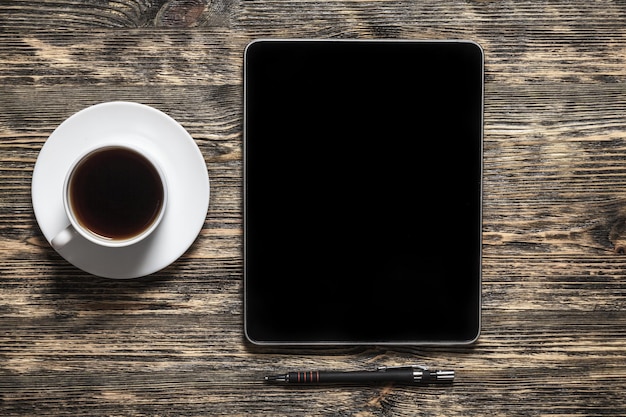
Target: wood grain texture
[554,289]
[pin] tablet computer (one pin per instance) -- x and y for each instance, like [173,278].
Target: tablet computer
[362,192]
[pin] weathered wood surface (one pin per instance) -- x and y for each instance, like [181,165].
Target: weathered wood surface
[554,286]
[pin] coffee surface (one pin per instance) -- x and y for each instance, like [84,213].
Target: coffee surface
[116,193]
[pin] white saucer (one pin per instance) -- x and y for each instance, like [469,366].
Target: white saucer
[176,152]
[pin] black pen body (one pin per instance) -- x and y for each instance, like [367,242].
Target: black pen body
[400,375]
[405,376]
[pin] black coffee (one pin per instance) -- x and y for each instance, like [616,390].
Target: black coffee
[116,193]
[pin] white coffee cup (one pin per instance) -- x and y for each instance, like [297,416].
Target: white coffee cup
[114,195]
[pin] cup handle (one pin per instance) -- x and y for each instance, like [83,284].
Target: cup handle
[64,237]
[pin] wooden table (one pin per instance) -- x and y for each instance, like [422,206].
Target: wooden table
[554,286]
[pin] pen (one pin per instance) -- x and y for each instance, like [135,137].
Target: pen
[415,374]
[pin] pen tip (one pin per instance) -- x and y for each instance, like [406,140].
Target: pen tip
[275,378]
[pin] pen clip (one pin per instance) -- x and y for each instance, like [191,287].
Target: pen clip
[384,368]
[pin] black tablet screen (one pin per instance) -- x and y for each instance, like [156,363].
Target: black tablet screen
[362,191]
